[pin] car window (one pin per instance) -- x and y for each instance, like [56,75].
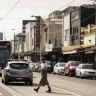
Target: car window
[61,64]
[74,63]
[87,67]
[19,65]
[79,67]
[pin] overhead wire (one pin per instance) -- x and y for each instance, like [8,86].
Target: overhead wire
[10,9]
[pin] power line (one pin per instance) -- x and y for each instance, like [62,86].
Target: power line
[11,9]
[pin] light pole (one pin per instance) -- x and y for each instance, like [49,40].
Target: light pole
[14,43]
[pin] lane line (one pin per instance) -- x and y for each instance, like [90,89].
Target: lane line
[63,90]
[1,93]
[10,90]
[66,91]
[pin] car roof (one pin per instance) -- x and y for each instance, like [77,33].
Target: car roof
[86,64]
[9,62]
[61,63]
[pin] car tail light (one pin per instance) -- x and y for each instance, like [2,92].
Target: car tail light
[8,70]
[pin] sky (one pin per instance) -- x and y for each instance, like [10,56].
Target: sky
[12,12]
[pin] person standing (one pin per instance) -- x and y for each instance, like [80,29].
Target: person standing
[44,80]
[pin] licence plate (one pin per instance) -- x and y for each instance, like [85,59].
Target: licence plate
[19,78]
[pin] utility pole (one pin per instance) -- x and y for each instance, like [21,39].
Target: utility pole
[14,43]
[94,2]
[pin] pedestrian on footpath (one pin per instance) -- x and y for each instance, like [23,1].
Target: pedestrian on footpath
[44,80]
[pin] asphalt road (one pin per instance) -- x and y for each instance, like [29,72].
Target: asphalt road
[61,86]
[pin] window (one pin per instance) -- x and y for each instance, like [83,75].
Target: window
[19,65]
[75,30]
[67,35]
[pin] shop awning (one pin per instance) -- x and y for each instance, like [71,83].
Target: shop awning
[70,52]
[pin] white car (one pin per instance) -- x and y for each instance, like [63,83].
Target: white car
[59,68]
[85,70]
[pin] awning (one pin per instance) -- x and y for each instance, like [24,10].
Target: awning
[70,52]
[87,52]
[71,48]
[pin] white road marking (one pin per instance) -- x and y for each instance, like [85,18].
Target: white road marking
[1,94]
[66,91]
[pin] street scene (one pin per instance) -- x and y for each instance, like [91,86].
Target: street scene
[47,48]
[62,86]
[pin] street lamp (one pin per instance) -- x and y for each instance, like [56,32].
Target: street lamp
[14,43]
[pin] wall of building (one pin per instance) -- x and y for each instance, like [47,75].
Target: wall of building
[66,32]
[55,32]
[29,39]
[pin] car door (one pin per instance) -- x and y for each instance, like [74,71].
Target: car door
[78,70]
[55,68]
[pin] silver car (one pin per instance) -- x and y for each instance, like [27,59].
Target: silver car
[85,70]
[59,68]
[17,71]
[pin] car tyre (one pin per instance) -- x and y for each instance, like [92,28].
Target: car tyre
[5,82]
[81,76]
[69,74]
[31,83]
[2,81]
[58,72]
[54,73]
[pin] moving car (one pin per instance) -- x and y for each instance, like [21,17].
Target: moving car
[70,68]
[17,71]
[85,70]
[59,68]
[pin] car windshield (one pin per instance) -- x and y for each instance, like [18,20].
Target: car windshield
[19,65]
[87,67]
[74,63]
[61,64]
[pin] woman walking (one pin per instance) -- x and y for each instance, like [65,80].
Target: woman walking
[43,80]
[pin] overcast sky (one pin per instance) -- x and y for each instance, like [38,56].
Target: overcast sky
[12,12]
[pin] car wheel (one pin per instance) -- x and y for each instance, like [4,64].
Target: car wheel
[54,73]
[26,82]
[69,74]
[65,74]
[5,82]
[2,81]
[58,72]
[31,83]
[81,77]
[76,76]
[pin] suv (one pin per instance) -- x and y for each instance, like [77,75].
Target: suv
[70,68]
[17,71]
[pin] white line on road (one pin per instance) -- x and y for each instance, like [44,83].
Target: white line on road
[1,94]
[66,91]
[10,90]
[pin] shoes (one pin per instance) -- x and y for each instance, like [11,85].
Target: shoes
[36,90]
[49,91]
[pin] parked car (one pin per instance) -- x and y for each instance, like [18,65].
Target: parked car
[37,66]
[32,66]
[59,68]
[49,67]
[70,68]
[17,71]
[86,70]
